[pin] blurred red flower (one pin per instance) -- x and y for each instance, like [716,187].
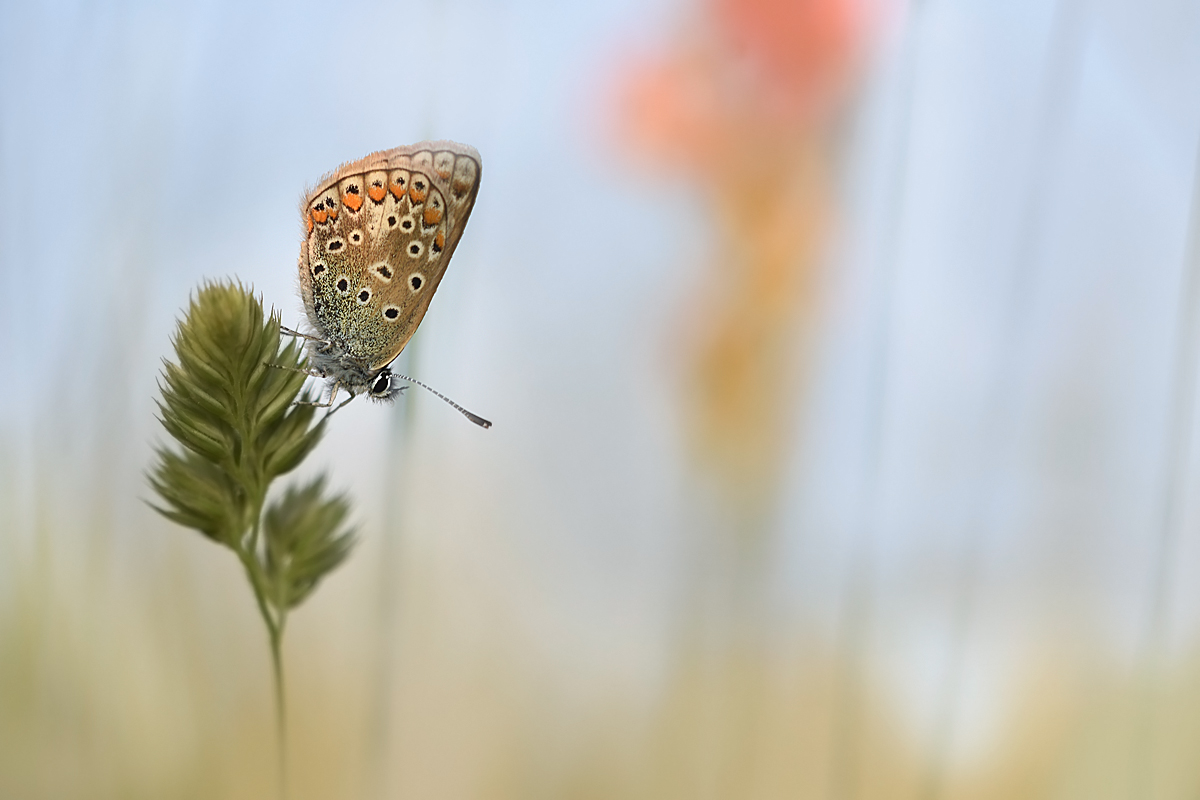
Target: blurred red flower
[803,50]
[742,105]
[751,75]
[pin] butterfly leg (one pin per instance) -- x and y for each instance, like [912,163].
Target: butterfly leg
[318,403]
[298,335]
[329,403]
[344,402]
[310,372]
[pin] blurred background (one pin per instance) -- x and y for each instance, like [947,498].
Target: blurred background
[842,356]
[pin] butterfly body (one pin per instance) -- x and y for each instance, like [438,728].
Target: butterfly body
[379,233]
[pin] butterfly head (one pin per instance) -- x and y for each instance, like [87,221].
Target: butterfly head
[384,387]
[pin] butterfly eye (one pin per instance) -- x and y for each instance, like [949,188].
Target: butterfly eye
[382,385]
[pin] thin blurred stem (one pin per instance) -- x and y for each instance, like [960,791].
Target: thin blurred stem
[396,471]
[858,600]
[275,626]
[1060,78]
[1179,436]
[280,706]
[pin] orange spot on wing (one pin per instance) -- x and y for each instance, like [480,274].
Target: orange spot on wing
[308,221]
[418,195]
[440,240]
[397,190]
[432,216]
[352,201]
[376,192]
[333,212]
[320,216]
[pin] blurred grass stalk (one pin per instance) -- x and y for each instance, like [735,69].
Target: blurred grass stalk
[397,466]
[230,402]
[1058,86]
[1179,435]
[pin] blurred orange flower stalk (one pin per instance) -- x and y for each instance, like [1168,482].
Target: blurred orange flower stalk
[743,105]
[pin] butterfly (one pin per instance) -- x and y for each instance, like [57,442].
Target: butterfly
[379,234]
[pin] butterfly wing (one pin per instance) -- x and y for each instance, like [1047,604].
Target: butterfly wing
[379,234]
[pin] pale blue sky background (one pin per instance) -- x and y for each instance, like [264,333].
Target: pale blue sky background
[1043,156]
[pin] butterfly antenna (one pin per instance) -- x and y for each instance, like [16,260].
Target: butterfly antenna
[478,420]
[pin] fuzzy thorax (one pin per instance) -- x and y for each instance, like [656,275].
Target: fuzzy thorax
[341,369]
